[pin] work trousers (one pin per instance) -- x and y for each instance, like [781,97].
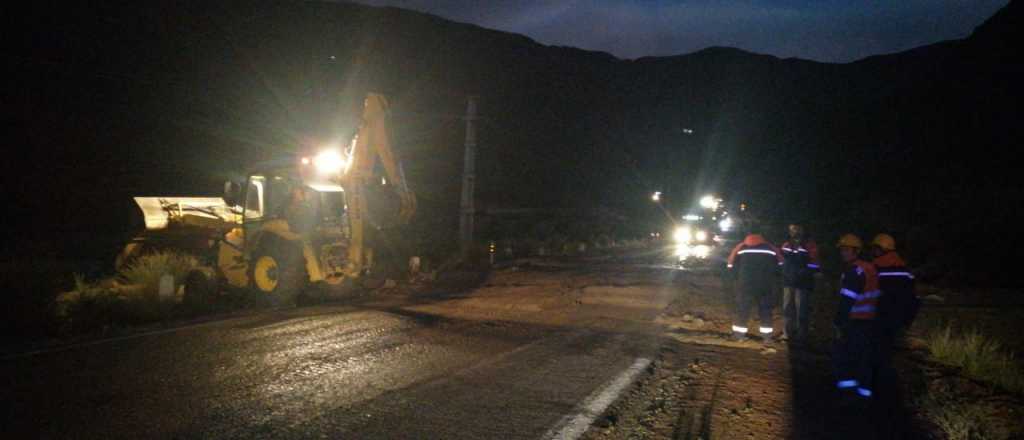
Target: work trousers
[857,354]
[747,295]
[796,311]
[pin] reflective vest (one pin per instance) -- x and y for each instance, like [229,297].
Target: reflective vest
[860,283]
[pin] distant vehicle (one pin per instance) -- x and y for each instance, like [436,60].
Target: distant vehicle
[704,236]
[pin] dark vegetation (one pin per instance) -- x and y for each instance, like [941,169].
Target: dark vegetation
[109,100]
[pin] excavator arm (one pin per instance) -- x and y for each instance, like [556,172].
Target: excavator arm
[372,142]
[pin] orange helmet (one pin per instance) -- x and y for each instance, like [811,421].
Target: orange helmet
[850,240]
[884,241]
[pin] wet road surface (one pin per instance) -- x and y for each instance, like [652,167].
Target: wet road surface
[375,370]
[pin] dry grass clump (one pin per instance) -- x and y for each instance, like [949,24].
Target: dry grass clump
[959,420]
[980,357]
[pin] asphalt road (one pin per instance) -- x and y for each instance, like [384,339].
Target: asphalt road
[380,369]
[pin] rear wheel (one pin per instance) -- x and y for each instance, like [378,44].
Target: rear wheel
[278,274]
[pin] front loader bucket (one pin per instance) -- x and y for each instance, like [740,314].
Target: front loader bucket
[160,212]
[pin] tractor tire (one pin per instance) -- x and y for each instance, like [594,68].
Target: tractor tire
[278,273]
[201,289]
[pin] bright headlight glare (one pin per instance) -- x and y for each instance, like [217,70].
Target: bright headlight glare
[725,224]
[329,161]
[701,235]
[701,251]
[709,202]
[682,234]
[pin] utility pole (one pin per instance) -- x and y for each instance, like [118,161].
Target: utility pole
[468,205]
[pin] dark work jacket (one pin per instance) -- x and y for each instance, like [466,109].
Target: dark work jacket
[800,262]
[755,262]
[899,303]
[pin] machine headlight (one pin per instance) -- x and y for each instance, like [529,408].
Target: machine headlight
[682,234]
[329,161]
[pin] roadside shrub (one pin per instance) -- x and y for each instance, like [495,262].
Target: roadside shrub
[979,357]
[130,298]
[146,271]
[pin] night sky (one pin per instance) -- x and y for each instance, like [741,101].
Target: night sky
[825,30]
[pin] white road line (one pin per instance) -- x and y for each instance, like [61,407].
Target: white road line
[573,426]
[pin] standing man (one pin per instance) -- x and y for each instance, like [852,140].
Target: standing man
[856,321]
[800,263]
[899,304]
[754,263]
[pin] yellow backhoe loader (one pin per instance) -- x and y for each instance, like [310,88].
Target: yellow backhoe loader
[292,223]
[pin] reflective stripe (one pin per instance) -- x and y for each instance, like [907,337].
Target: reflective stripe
[757,251]
[765,329]
[739,329]
[781,263]
[802,250]
[863,308]
[812,266]
[871,294]
[847,383]
[849,293]
[896,274]
[787,249]
[729,266]
[864,392]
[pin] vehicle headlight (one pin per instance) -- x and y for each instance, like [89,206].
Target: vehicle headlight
[725,224]
[701,236]
[682,234]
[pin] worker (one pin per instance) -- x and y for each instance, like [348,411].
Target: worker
[299,212]
[899,304]
[856,321]
[754,263]
[800,264]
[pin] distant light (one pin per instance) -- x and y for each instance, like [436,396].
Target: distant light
[656,196]
[726,224]
[743,206]
[688,131]
[691,217]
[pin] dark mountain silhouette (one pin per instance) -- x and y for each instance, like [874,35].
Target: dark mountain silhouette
[116,99]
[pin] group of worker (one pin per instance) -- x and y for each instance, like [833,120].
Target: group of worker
[876,300]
